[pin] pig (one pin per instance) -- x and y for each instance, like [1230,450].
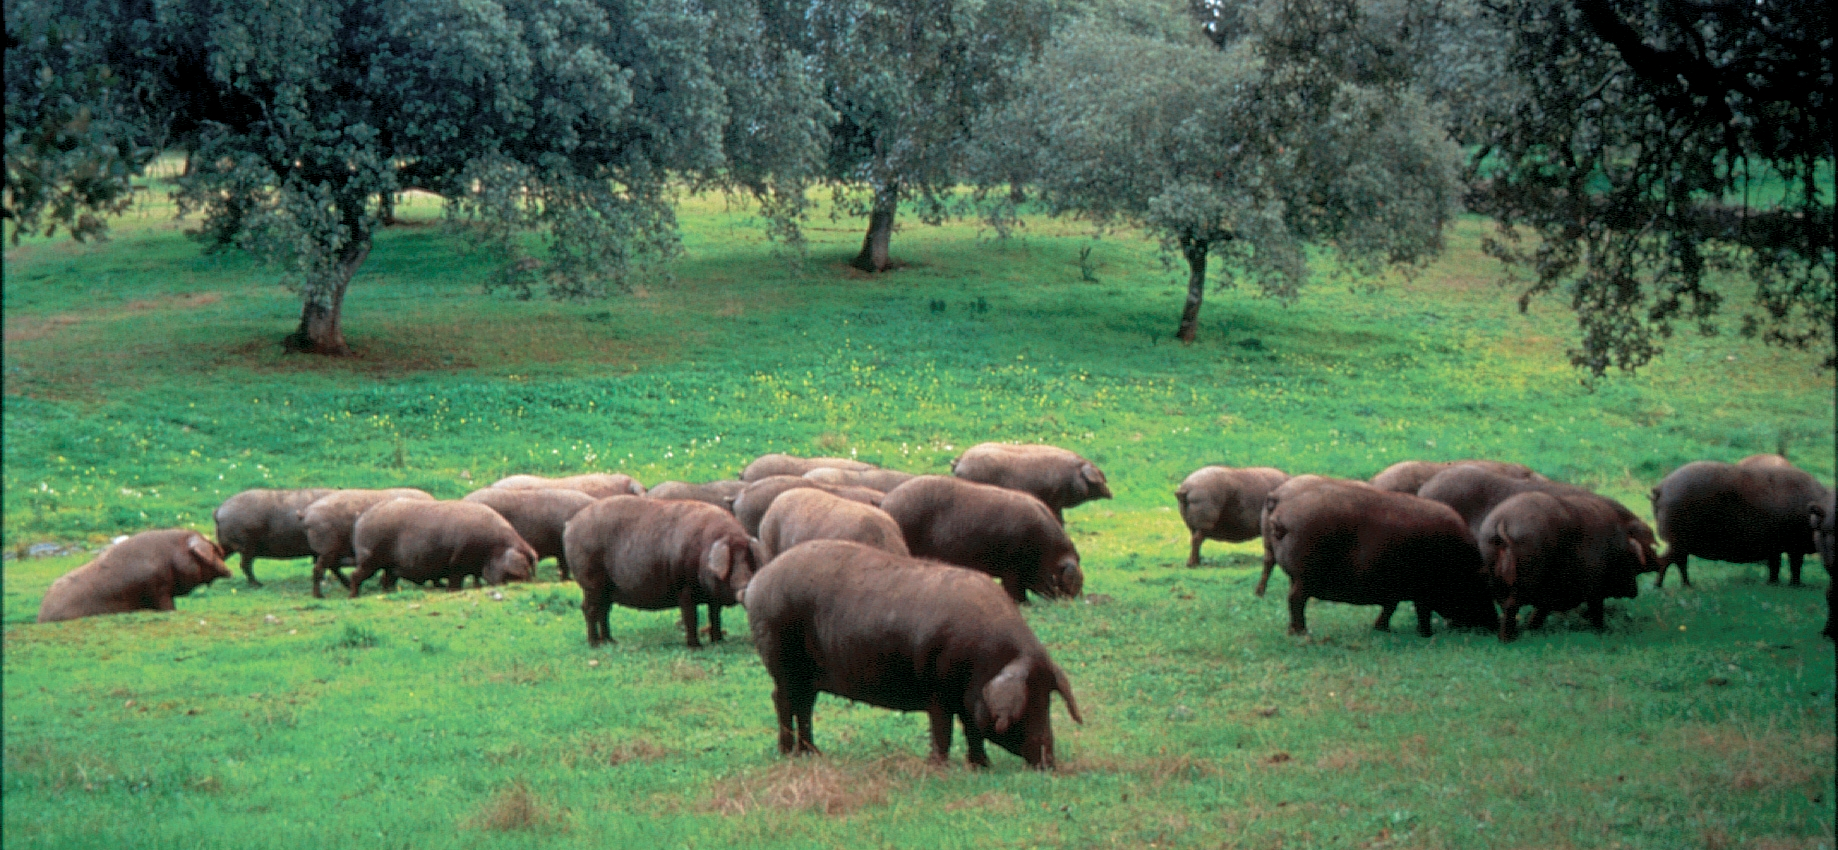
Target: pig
[751,505]
[264,523]
[538,515]
[429,541]
[1059,478]
[596,484]
[721,494]
[1748,513]
[328,521]
[1277,494]
[655,554]
[807,513]
[1821,514]
[1223,503]
[1365,546]
[1474,491]
[1005,533]
[1555,552]
[141,573]
[1409,476]
[768,465]
[906,634]
[873,479]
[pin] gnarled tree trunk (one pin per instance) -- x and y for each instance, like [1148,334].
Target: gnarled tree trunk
[1195,252]
[321,331]
[874,256]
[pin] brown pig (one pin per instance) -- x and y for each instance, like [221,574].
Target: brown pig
[264,523]
[429,541]
[328,521]
[751,505]
[721,494]
[805,514]
[851,620]
[1005,533]
[1409,476]
[539,515]
[1223,503]
[141,573]
[1059,478]
[596,484]
[656,554]
[768,465]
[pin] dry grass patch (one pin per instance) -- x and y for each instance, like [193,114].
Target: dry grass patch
[816,784]
[31,328]
[994,802]
[1746,759]
[514,808]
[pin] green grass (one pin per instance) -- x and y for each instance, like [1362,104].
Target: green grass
[145,383]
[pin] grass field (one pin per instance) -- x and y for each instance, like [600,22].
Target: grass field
[144,382]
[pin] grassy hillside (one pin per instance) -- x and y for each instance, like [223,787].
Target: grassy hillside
[145,382]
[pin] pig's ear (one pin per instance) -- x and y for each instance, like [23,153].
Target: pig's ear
[717,561]
[208,556]
[1640,552]
[1006,695]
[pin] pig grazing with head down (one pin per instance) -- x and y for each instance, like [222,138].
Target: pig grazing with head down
[1005,533]
[1555,552]
[538,515]
[768,465]
[656,554]
[1059,478]
[805,514]
[906,634]
[330,518]
[264,523]
[1365,546]
[141,573]
[1223,503]
[599,485]
[429,541]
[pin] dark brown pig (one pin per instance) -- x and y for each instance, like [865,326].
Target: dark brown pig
[911,635]
[1365,546]
[768,465]
[429,541]
[141,573]
[599,485]
[329,519]
[751,505]
[1554,553]
[1474,491]
[656,554]
[721,494]
[1409,476]
[806,514]
[1741,513]
[1822,515]
[539,515]
[1223,503]
[873,479]
[264,524]
[1277,495]
[1005,533]
[1057,477]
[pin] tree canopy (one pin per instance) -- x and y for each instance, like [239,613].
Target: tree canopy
[907,79]
[1245,152]
[1652,144]
[302,119]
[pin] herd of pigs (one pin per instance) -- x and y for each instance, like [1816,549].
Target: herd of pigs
[875,585]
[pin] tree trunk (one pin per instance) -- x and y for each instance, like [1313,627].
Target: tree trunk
[321,330]
[1195,252]
[873,257]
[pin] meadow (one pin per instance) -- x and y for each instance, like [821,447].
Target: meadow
[144,383]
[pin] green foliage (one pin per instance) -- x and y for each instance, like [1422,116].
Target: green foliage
[1633,150]
[253,717]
